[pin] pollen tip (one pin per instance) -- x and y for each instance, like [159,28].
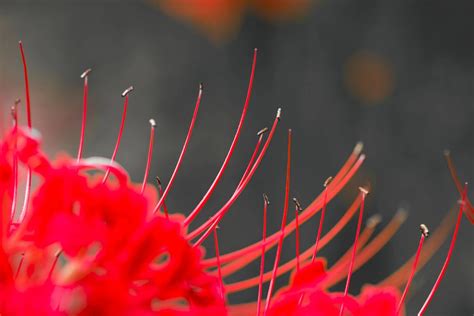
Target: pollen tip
[127,91]
[401,214]
[158,180]
[17,101]
[365,191]
[297,203]
[446,152]
[152,122]
[201,86]
[262,131]
[374,220]
[363,156]
[86,73]
[278,114]
[358,148]
[265,198]
[424,230]
[328,181]
[255,49]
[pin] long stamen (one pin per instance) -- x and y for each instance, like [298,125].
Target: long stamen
[125,94]
[254,155]
[183,151]
[85,76]
[339,273]
[364,192]
[214,220]
[266,202]
[14,114]
[283,225]
[346,173]
[216,246]
[27,85]
[213,186]
[321,220]
[424,234]
[288,266]
[448,256]
[160,192]
[150,154]
[457,182]
[437,238]
[28,116]
[298,209]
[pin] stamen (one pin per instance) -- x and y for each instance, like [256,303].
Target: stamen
[216,246]
[14,114]
[214,220]
[283,224]
[27,84]
[321,220]
[183,151]
[290,265]
[266,202]
[400,276]
[213,186]
[371,249]
[298,209]
[457,182]
[254,155]
[28,116]
[150,154]
[85,76]
[125,95]
[160,192]
[346,172]
[364,192]
[448,256]
[424,234]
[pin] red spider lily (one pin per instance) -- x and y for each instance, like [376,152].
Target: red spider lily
[90,242]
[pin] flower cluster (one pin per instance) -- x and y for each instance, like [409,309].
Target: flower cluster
[88,241]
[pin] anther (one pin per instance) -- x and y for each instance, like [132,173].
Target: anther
[297,204]
[358,148]
[127,91]
[424,230]
[265,198]
[328,181]
[278,114]
[86,73]
[364,190]
[374,220]
[152,122]
[262,131]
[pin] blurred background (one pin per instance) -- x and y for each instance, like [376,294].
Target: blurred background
[397,75]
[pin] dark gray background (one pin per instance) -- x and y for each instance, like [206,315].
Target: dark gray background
[429,45]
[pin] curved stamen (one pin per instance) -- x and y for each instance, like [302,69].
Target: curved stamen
[283,225]
[125,95]
[424,234]
[437,238]
[213,186]
[214,220]
[266,202]
[288,266]
[216,247]
[14,114]
[344,175]
[150,154]
[85,76]
[321,220]
[364,192]
[183,151]
[448,256]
